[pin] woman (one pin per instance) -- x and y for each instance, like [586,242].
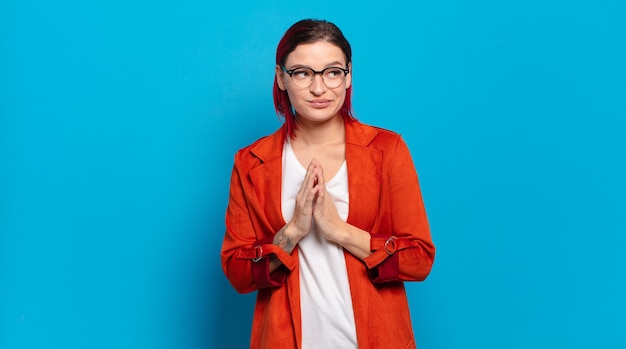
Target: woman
[325,218]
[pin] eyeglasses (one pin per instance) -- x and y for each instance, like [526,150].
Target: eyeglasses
[303,77]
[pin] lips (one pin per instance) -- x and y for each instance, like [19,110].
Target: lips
[320,103]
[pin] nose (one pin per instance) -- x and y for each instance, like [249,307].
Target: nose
[318,87]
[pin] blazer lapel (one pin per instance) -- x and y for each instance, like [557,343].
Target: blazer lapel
[364,175]
[266,179]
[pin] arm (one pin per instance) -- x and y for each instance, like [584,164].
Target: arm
[246,254]
[353,239]
[408,254]
[333,228]
[406,251]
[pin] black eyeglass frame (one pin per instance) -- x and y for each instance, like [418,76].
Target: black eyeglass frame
[346,71]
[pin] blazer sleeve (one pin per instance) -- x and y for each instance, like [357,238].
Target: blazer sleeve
[408,253]
[246,252]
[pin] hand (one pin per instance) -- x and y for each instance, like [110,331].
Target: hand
[300,223]
[325,215]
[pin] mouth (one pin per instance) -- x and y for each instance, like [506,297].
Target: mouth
[320,103]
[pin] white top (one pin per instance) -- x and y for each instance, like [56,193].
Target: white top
[325,300]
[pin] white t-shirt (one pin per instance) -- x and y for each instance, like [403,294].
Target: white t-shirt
[325,300]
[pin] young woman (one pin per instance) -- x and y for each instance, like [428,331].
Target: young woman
[325,217]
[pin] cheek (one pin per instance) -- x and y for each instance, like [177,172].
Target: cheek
[296,95]
[293,96]
[341,94]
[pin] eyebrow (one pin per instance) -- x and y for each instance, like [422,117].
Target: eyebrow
[332,64]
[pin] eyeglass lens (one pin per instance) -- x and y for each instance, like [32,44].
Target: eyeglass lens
[304,77]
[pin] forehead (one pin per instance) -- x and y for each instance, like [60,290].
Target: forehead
[319,53]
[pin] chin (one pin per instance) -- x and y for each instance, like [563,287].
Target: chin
[320,115]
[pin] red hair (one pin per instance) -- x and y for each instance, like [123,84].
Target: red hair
[305,32]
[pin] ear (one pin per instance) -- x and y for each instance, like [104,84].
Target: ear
[280,78]
[349,77]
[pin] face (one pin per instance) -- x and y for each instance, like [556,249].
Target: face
[316,103]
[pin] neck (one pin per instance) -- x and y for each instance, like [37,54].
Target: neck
[330,131]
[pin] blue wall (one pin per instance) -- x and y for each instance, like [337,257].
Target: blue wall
[119,121]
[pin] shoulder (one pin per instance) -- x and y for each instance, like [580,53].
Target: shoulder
[261,150]
[386,137]
[248,150]
[372,136]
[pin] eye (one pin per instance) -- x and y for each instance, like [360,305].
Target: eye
[302,74]
[333,73]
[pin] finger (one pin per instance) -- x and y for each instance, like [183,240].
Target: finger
[321,195]
[311,174]
[309,190]
[321,177]
[308,181]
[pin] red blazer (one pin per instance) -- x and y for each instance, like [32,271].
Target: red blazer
[385,200]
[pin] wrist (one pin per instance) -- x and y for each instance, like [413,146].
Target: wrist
[293,232]
[285,239]
[342,235]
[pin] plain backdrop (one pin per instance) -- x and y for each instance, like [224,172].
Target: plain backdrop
[119,121]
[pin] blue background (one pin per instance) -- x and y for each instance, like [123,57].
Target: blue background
[119,121]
